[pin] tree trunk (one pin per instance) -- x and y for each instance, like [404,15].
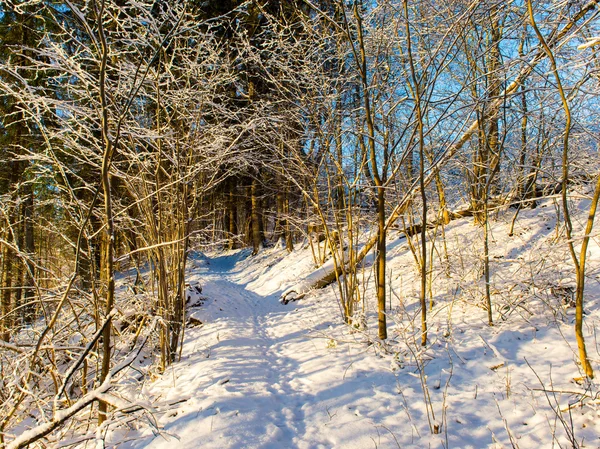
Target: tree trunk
[256,219]
[289,237]
[6,296]
[231,219]
[28,292]
[279,229]
[380,262]
[107,268]
[378,181]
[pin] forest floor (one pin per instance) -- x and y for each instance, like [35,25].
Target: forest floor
[259,374]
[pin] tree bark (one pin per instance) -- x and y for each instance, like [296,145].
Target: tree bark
[256,219]
[380,262]
[107,268]
[6,295]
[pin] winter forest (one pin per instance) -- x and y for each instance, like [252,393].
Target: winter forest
[299,224]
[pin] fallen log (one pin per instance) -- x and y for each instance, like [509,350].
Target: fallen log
[326,274]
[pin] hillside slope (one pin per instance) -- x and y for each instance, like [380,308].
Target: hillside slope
[258,374]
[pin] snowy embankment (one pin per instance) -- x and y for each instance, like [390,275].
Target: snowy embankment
[259,374]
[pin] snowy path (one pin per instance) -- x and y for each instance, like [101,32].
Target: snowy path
[256,379]
[260,375]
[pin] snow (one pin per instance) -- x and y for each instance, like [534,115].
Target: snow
[259,374]
[591,42]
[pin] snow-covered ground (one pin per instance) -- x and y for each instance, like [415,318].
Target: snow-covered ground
[259,374]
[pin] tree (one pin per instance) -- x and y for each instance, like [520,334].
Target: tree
[581,261]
